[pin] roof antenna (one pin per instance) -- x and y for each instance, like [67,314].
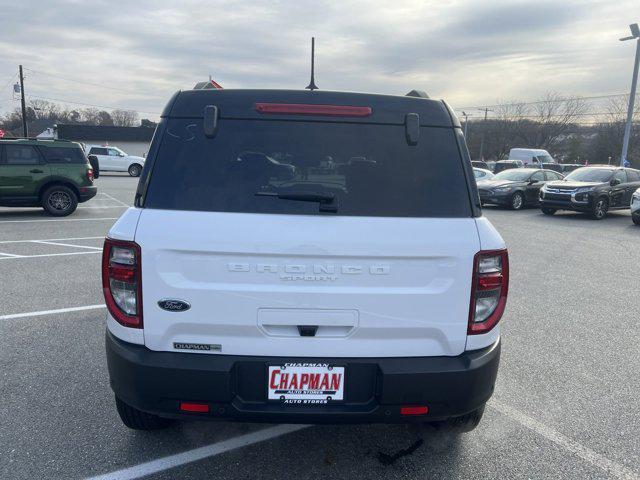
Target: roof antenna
[312,84]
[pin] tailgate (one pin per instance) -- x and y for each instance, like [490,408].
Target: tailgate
[298,285]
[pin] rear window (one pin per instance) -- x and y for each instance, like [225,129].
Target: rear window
[368,169]
[63,155]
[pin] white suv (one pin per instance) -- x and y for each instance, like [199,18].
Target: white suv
[253,281]
[112,159]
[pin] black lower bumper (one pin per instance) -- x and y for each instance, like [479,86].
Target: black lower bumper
[87,193]
[496,199]
[235,387]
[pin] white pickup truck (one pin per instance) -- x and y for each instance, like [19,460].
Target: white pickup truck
[366,293]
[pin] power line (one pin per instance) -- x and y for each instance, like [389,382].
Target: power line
[90,104]
[83,82]
[536,102]
[10,80]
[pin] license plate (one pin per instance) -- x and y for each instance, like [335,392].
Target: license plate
[306,383]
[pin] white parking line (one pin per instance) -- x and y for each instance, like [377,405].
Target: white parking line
[42,242]
[60,220]
[51,239]
[603,463]
[102,208]
[190,456]
[50,312]
[115,200]
[21,257]
[10,255]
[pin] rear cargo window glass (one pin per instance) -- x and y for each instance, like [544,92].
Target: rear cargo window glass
[63,155]
[368,169]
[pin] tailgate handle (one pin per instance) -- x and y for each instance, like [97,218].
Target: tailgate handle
[307,330]
[210,123]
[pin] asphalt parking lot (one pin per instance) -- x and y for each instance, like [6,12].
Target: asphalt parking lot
[565,406]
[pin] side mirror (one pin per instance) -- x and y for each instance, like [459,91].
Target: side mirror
[614,182]
[532,181]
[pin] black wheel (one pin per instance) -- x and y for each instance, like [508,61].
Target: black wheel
[135,170]
[636,219]
[59,201]
[600,208]
[517,201]
[139,420]
[466,423]
[548,211]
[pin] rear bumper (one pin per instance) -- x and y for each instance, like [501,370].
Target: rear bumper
[566,205]
[87,193]
[235,387]
[495,198]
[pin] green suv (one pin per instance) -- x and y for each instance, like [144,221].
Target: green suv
[52,174]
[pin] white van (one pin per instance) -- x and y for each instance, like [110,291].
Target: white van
[531,156]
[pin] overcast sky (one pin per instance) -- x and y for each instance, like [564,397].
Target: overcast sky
[470,52]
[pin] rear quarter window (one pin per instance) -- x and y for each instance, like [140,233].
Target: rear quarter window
[63,155]
[369,169]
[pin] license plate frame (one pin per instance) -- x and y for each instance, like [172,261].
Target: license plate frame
[323,375]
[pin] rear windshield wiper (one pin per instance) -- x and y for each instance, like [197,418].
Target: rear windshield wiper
[327,203]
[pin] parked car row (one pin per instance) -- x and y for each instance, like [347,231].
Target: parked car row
[594,190]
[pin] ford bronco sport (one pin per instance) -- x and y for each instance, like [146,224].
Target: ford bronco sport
[52,174]
[294,256]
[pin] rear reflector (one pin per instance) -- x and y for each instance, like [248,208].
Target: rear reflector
[194,407]
[423,410]
[306,109]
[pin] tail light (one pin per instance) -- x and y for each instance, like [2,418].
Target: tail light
[122,281]
[489,290]
[90,174]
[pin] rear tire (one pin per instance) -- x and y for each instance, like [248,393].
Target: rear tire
[137,419]
[517,201]
[636,219]
[135,170]
[600,208]
[548,211]
[59,201]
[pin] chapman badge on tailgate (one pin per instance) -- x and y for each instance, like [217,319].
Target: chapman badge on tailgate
[173,305]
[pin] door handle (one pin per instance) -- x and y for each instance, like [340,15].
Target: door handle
[35,170]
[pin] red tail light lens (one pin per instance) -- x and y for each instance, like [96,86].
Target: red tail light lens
[122,281]
[415,410]
[489,290]
[306,109]
[194,407]
[90,175]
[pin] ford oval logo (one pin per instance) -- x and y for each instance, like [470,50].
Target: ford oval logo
[173,305]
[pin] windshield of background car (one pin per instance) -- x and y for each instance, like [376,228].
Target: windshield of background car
[514,174]
[369,169]
[590,175]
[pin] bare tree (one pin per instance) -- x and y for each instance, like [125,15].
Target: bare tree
[125,118]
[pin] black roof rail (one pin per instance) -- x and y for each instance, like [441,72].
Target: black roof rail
[417,93]
[38,139]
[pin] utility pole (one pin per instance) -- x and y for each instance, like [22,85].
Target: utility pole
[635,35]
[25,131]
[486,111]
